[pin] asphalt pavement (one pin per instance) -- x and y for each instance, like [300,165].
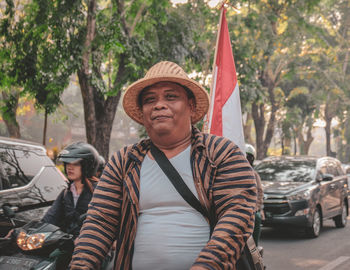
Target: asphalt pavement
[288,249]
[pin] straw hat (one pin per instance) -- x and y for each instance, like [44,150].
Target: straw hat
[165,72]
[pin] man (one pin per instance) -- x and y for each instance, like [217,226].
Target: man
[136,204]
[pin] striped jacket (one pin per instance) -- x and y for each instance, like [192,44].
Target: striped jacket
[222,176]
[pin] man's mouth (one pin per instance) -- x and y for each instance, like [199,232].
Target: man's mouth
[160,117]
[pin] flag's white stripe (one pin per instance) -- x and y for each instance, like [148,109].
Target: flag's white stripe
[232,119]
[212,98]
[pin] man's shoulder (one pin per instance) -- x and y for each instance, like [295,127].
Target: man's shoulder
[212,142]
[135,149]
[216,148]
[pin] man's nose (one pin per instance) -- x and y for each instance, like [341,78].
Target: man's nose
[160,104]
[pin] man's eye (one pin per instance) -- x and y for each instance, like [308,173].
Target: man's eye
[147,100]
[171,96]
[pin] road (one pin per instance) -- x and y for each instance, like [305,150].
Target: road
[291,250]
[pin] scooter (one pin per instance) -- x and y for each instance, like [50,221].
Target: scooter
[35,246]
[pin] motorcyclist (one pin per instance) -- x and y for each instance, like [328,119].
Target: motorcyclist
[250,154]
[80,161]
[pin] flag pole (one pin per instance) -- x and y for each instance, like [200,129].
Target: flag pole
[217,43]
[206,124]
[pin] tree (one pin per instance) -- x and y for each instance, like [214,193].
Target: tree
[31,60]
[8,112]
[108,44]
[299,118]
[122,40]
[268,36]
[331,64]
[8,73]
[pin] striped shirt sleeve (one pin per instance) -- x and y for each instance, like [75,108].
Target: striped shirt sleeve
[234,195]
[99,228]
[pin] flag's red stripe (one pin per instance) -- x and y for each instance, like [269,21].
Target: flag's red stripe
[226,76]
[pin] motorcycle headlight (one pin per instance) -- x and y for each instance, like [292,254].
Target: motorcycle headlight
[31,241]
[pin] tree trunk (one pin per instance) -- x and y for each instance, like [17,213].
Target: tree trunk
[9,115]
[84,75]
[104,123]
[295,143]
[45,128]
[259,123]
[304,145]
[287,146]
[99,113]
[328,136]
[268,79]
[347,139]
[12,128]
[247,129]
[328,115]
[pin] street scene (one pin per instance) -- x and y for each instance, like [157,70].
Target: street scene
[174,134]
[291,250]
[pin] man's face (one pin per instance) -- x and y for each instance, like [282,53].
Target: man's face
[167,110]
[74,171]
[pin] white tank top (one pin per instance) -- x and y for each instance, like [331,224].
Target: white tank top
[170,233]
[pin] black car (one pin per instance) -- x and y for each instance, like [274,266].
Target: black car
[29,181]
[303,191]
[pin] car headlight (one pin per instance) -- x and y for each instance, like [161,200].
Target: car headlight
[305,195]
[31,241]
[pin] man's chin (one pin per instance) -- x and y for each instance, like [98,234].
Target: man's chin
[160,129]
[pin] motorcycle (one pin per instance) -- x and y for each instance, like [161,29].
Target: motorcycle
[35,246]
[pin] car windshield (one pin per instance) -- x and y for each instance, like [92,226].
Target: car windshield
[286,170]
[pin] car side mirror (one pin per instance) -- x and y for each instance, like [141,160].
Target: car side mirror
[327,177]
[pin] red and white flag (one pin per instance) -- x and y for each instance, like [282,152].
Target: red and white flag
[225,116]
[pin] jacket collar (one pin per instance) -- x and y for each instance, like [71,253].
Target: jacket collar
[139,150]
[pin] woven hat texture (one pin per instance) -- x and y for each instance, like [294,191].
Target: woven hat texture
[165,71]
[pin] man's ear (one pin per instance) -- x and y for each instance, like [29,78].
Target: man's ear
[192,105]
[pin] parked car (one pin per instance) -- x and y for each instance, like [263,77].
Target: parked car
[346,168]
[29,181]
[303,191]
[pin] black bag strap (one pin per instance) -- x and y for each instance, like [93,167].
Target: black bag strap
[179,184]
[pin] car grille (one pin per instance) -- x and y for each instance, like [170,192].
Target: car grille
[273,208]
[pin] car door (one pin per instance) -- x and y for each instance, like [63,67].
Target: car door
[332,194]
[342,185]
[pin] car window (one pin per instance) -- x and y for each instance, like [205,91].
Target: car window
[287,170]
[331,168]
[19,167]
[340,169]
[321,171]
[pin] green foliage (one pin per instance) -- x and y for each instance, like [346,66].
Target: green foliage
[296,48]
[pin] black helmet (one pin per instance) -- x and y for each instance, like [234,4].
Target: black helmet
[83,152]
[251,153]
[101,163]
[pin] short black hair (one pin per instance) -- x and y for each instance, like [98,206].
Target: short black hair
[189,93]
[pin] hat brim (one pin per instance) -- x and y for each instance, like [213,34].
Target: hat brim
[132,108]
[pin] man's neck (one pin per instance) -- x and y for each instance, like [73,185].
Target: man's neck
[171,149]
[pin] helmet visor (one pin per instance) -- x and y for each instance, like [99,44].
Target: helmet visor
[69,159]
